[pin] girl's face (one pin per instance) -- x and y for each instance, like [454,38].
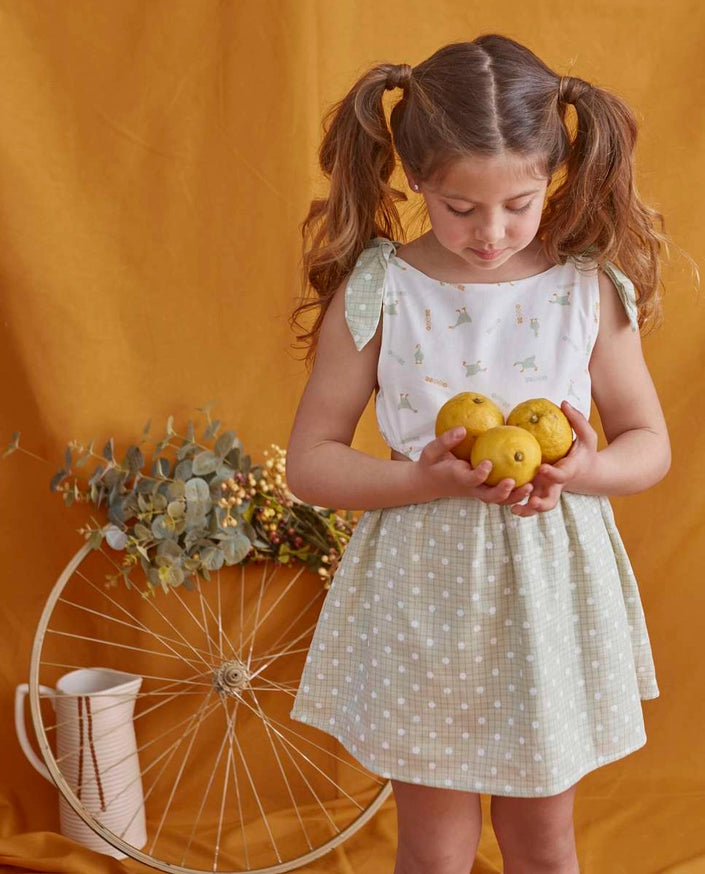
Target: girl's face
[489,205]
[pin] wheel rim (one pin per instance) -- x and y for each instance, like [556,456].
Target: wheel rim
[230,783]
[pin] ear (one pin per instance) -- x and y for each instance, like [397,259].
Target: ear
[409,176]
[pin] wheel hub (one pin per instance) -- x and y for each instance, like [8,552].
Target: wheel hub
[231,677]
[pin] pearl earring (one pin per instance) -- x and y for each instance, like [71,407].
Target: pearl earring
[416,187]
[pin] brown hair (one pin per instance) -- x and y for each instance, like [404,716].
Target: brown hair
[484,97]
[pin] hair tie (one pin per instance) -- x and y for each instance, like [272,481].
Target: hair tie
[399,76]
[571,89]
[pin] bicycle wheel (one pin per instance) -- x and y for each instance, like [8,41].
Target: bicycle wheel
[222,779]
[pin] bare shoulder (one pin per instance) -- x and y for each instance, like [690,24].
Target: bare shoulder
[341,381]
[410,252]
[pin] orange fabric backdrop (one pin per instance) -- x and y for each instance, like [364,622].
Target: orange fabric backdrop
[157,159]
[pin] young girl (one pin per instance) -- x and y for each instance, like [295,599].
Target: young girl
[474,638]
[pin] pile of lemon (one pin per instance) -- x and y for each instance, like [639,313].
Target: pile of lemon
[536,431]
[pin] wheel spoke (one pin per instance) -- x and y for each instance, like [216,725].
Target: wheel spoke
[256,796]
[251,637]
[281,768]
[144,676]
[203,802]
[178,776]
[141,627]
[173,748]
[285,651]
[235,660]
[278,599]
[272,722]
[113,728]
[177,595]
[164,655]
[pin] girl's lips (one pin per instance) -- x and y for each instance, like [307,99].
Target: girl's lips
[488,256]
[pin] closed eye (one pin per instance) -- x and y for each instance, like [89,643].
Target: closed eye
[470,211]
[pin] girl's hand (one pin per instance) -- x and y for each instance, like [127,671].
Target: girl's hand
[444,475]
[551,479]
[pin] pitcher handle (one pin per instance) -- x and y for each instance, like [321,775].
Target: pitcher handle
[21,693]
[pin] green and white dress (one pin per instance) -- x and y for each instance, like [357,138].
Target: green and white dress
[461,646]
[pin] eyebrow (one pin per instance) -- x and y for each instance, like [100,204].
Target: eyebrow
[470,200]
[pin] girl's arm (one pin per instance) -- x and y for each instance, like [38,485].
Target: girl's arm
[639,451]
[322,468]
[638,454]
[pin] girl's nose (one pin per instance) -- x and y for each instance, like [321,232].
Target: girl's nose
[490,233]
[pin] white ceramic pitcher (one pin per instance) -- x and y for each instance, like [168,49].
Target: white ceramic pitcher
[96,751]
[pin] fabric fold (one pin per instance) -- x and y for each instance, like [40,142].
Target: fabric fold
[625,290]
[365,288]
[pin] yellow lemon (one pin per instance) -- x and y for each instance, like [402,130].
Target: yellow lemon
[475,412]
[513,452]
[549,425]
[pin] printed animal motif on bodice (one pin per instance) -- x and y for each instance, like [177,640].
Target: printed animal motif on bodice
[497,338]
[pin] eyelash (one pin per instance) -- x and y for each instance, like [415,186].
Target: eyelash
[470,211]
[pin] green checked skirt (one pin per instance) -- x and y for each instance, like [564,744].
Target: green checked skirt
[460,646]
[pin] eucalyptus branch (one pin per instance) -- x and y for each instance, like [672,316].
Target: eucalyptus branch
[217,509]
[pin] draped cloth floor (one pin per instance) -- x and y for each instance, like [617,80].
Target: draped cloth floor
[157,160]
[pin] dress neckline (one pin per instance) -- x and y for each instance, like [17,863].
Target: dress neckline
[512,282]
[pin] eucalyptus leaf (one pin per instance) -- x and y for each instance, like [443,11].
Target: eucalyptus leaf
[233,457]
[235,549]
[116,537]
[223,472]
[134,459]
[142,532]
[160,467]
[183,470]
[191,538]
[170,548]
[95,539]
[97,474]
[224,443]
[161,528]
[116,513]
[196,516]
[56,479]
[248,530]
[185,450]
[110,477]
[212,558]
[212,428]
[196,489]
[205,462]
[116,489]
[176,490]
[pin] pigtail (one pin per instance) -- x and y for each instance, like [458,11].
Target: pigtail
[357,156]
[597,209]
